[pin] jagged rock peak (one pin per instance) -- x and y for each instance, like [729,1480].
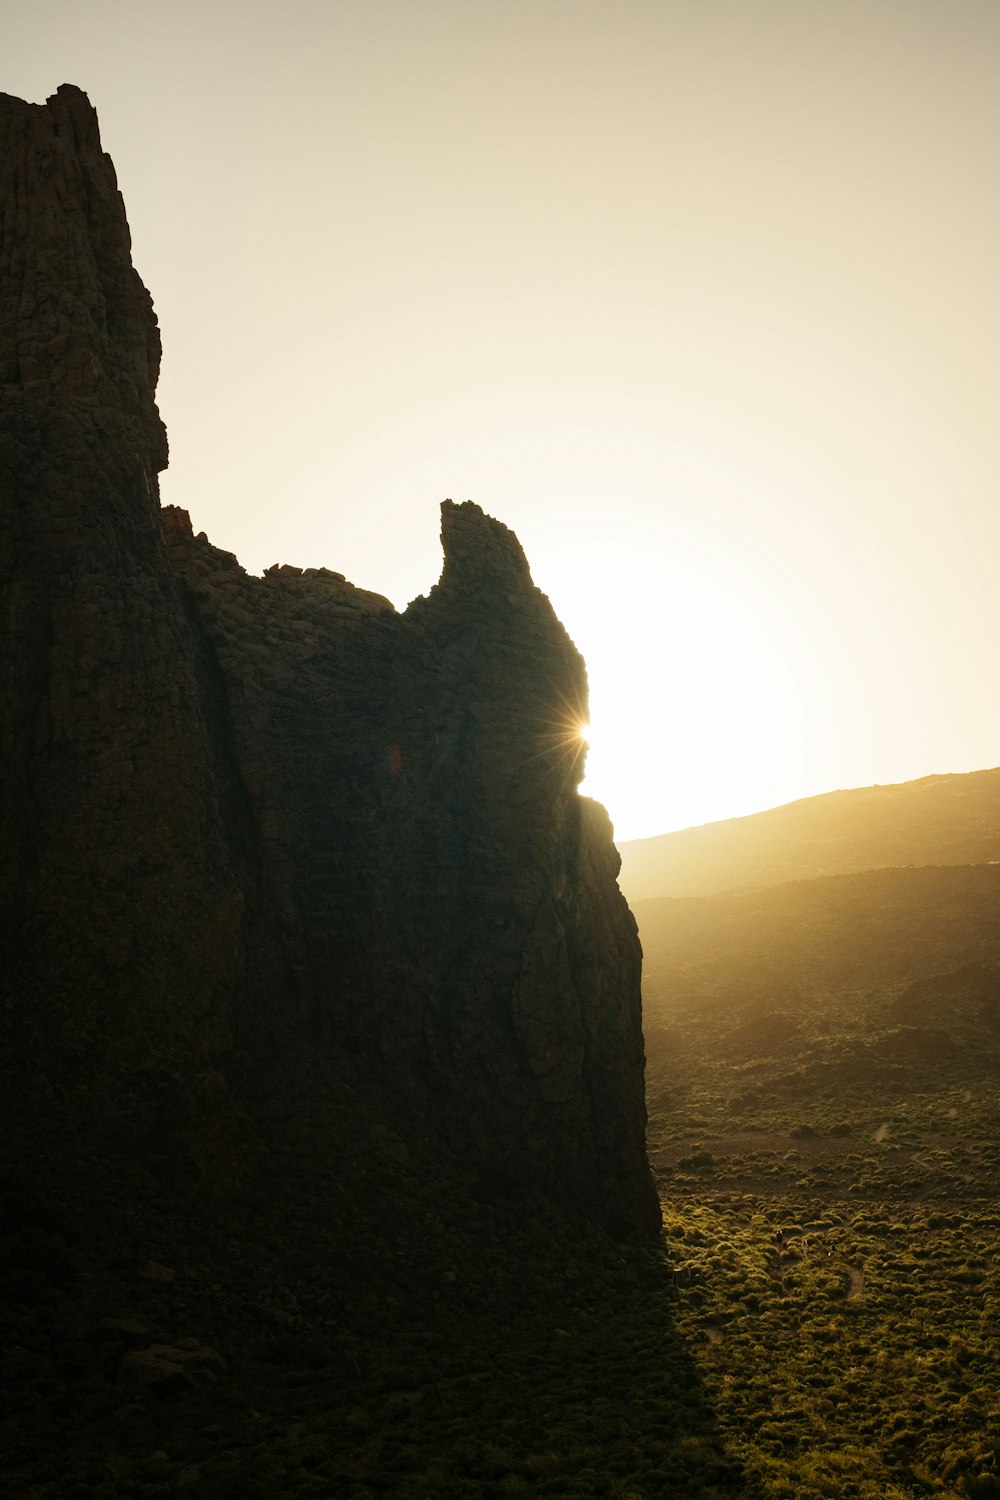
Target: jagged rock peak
[266,836]
[79,334]
[480,552]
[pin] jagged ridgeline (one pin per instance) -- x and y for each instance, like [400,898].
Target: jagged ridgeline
[262,835]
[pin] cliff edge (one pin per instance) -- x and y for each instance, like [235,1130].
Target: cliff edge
[267,835]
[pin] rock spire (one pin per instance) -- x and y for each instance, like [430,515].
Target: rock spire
[266,834]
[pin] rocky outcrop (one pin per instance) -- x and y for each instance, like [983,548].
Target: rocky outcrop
[266,832]
[122,905]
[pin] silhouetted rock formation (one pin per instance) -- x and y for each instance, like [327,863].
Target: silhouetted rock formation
[263,830]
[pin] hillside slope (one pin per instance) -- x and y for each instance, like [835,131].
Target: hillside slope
[938,820]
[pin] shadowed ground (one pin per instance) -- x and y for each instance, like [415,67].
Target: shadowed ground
[380,1330]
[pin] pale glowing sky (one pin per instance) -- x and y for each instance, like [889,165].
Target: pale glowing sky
[701,297]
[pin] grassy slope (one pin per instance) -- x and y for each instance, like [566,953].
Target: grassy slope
[823,1068]
[943,820]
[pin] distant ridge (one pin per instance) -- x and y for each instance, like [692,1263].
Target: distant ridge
[938,820]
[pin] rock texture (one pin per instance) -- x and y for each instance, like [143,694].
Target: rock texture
[266,834]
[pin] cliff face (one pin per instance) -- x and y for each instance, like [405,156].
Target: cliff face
[121,902]
[265,828]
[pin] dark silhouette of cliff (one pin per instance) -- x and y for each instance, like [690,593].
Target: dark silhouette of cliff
[266,836]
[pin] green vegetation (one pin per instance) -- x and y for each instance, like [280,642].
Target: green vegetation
[822,1070]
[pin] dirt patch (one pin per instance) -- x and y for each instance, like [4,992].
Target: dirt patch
[856,1290]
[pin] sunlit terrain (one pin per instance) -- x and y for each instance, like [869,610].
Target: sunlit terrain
[821,1074]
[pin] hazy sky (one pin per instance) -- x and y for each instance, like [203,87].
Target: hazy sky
[701,297]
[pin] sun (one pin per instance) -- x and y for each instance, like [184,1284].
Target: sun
[703,733]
